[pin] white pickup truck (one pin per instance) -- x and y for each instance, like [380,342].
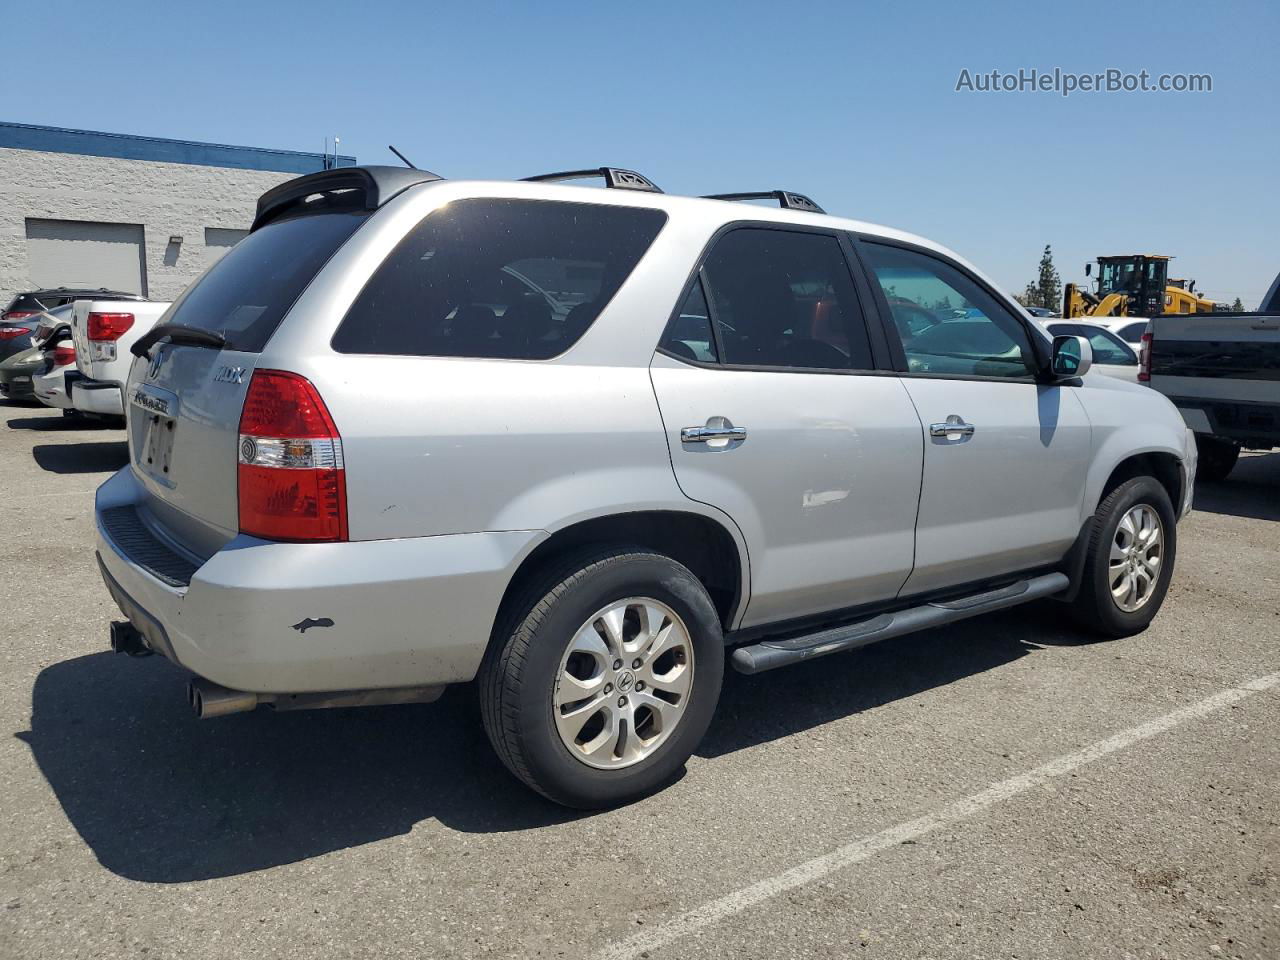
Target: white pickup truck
[1222,371]
[103,331]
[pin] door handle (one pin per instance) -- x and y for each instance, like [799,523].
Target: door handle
[703,434]
[717,428]
[954,427]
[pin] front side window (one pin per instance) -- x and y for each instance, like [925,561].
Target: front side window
[785,299]
[948,324]
[503,278]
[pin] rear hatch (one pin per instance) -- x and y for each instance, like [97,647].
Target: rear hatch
[184,401]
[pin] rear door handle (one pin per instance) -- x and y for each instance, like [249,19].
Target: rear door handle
[716,429]
[703,434]
[954,427]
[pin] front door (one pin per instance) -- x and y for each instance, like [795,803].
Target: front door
[1005,457]
[775,415]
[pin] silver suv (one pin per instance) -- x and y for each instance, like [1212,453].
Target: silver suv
[583,445]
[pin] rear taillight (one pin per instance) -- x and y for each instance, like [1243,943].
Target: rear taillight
[63,356]
[13,316]
[1144,357]
[291,476]
[8,333]
[104,330]
[109,326]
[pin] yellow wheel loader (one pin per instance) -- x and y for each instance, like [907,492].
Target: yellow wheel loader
[1133,285]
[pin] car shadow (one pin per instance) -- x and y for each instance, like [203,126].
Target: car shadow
[105,456]
[830,688]
[161,797]
[1252,491]
[64,423]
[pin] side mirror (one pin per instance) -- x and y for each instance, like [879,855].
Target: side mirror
[1088,269]
[1072,357]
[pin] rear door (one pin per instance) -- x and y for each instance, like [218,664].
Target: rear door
[776,414]
[1005,457]
[184,402]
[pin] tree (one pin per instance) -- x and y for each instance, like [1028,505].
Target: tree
[1046,290]
[1237,306]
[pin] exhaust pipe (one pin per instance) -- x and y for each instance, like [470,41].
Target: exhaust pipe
[210,700]
[125,638]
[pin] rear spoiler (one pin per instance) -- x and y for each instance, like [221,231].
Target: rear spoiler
[345,188]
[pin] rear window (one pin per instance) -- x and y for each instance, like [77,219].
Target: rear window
[247,293]
[513,279]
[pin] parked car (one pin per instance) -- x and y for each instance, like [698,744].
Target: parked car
[1040,313]
[1111,355]
[1128,329]
[1222,370]
[353,478]
[20,318]
[15,375]
[102,332]
[53,378]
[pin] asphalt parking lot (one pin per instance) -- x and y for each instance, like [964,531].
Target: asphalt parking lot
[1004,788]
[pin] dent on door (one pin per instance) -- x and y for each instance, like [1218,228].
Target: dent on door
[821,473]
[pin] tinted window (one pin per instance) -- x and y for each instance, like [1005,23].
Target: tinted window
[947,323]
[247,293]
[1132,333]
[688,335]
[1107,347]
[517,279]
[783,299]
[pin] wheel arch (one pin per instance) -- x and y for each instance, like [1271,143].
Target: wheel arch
[712,551]
[1161,463]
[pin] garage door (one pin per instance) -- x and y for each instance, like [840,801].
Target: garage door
[218,240]
[81,253]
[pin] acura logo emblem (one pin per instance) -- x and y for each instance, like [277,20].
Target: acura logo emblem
[156,361]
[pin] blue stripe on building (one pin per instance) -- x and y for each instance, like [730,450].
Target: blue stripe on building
[24,136]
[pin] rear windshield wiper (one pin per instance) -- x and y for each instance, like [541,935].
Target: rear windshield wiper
[177,333]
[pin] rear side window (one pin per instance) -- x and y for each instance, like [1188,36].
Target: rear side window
[512,279]
[784,299]
[247,293]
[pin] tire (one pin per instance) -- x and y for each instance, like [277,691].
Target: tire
[1096,607]
[1217,458]
[527,693]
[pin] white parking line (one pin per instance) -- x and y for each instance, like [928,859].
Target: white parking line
[686,924]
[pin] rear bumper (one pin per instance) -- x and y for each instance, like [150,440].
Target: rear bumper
[54,389]
[299,618]
[17,388]
[1255,425]
[97,396]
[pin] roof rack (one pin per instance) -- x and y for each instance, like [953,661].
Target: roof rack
[614,177]
[786,199]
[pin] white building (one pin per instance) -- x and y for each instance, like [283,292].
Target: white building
[136,214]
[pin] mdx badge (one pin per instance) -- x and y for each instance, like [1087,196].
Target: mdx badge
[229,375]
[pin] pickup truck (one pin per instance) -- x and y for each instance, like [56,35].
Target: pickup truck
[103,331]
[1222,371]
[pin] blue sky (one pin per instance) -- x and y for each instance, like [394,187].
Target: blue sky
[854,104]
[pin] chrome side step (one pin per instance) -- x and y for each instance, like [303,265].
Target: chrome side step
[769,654]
